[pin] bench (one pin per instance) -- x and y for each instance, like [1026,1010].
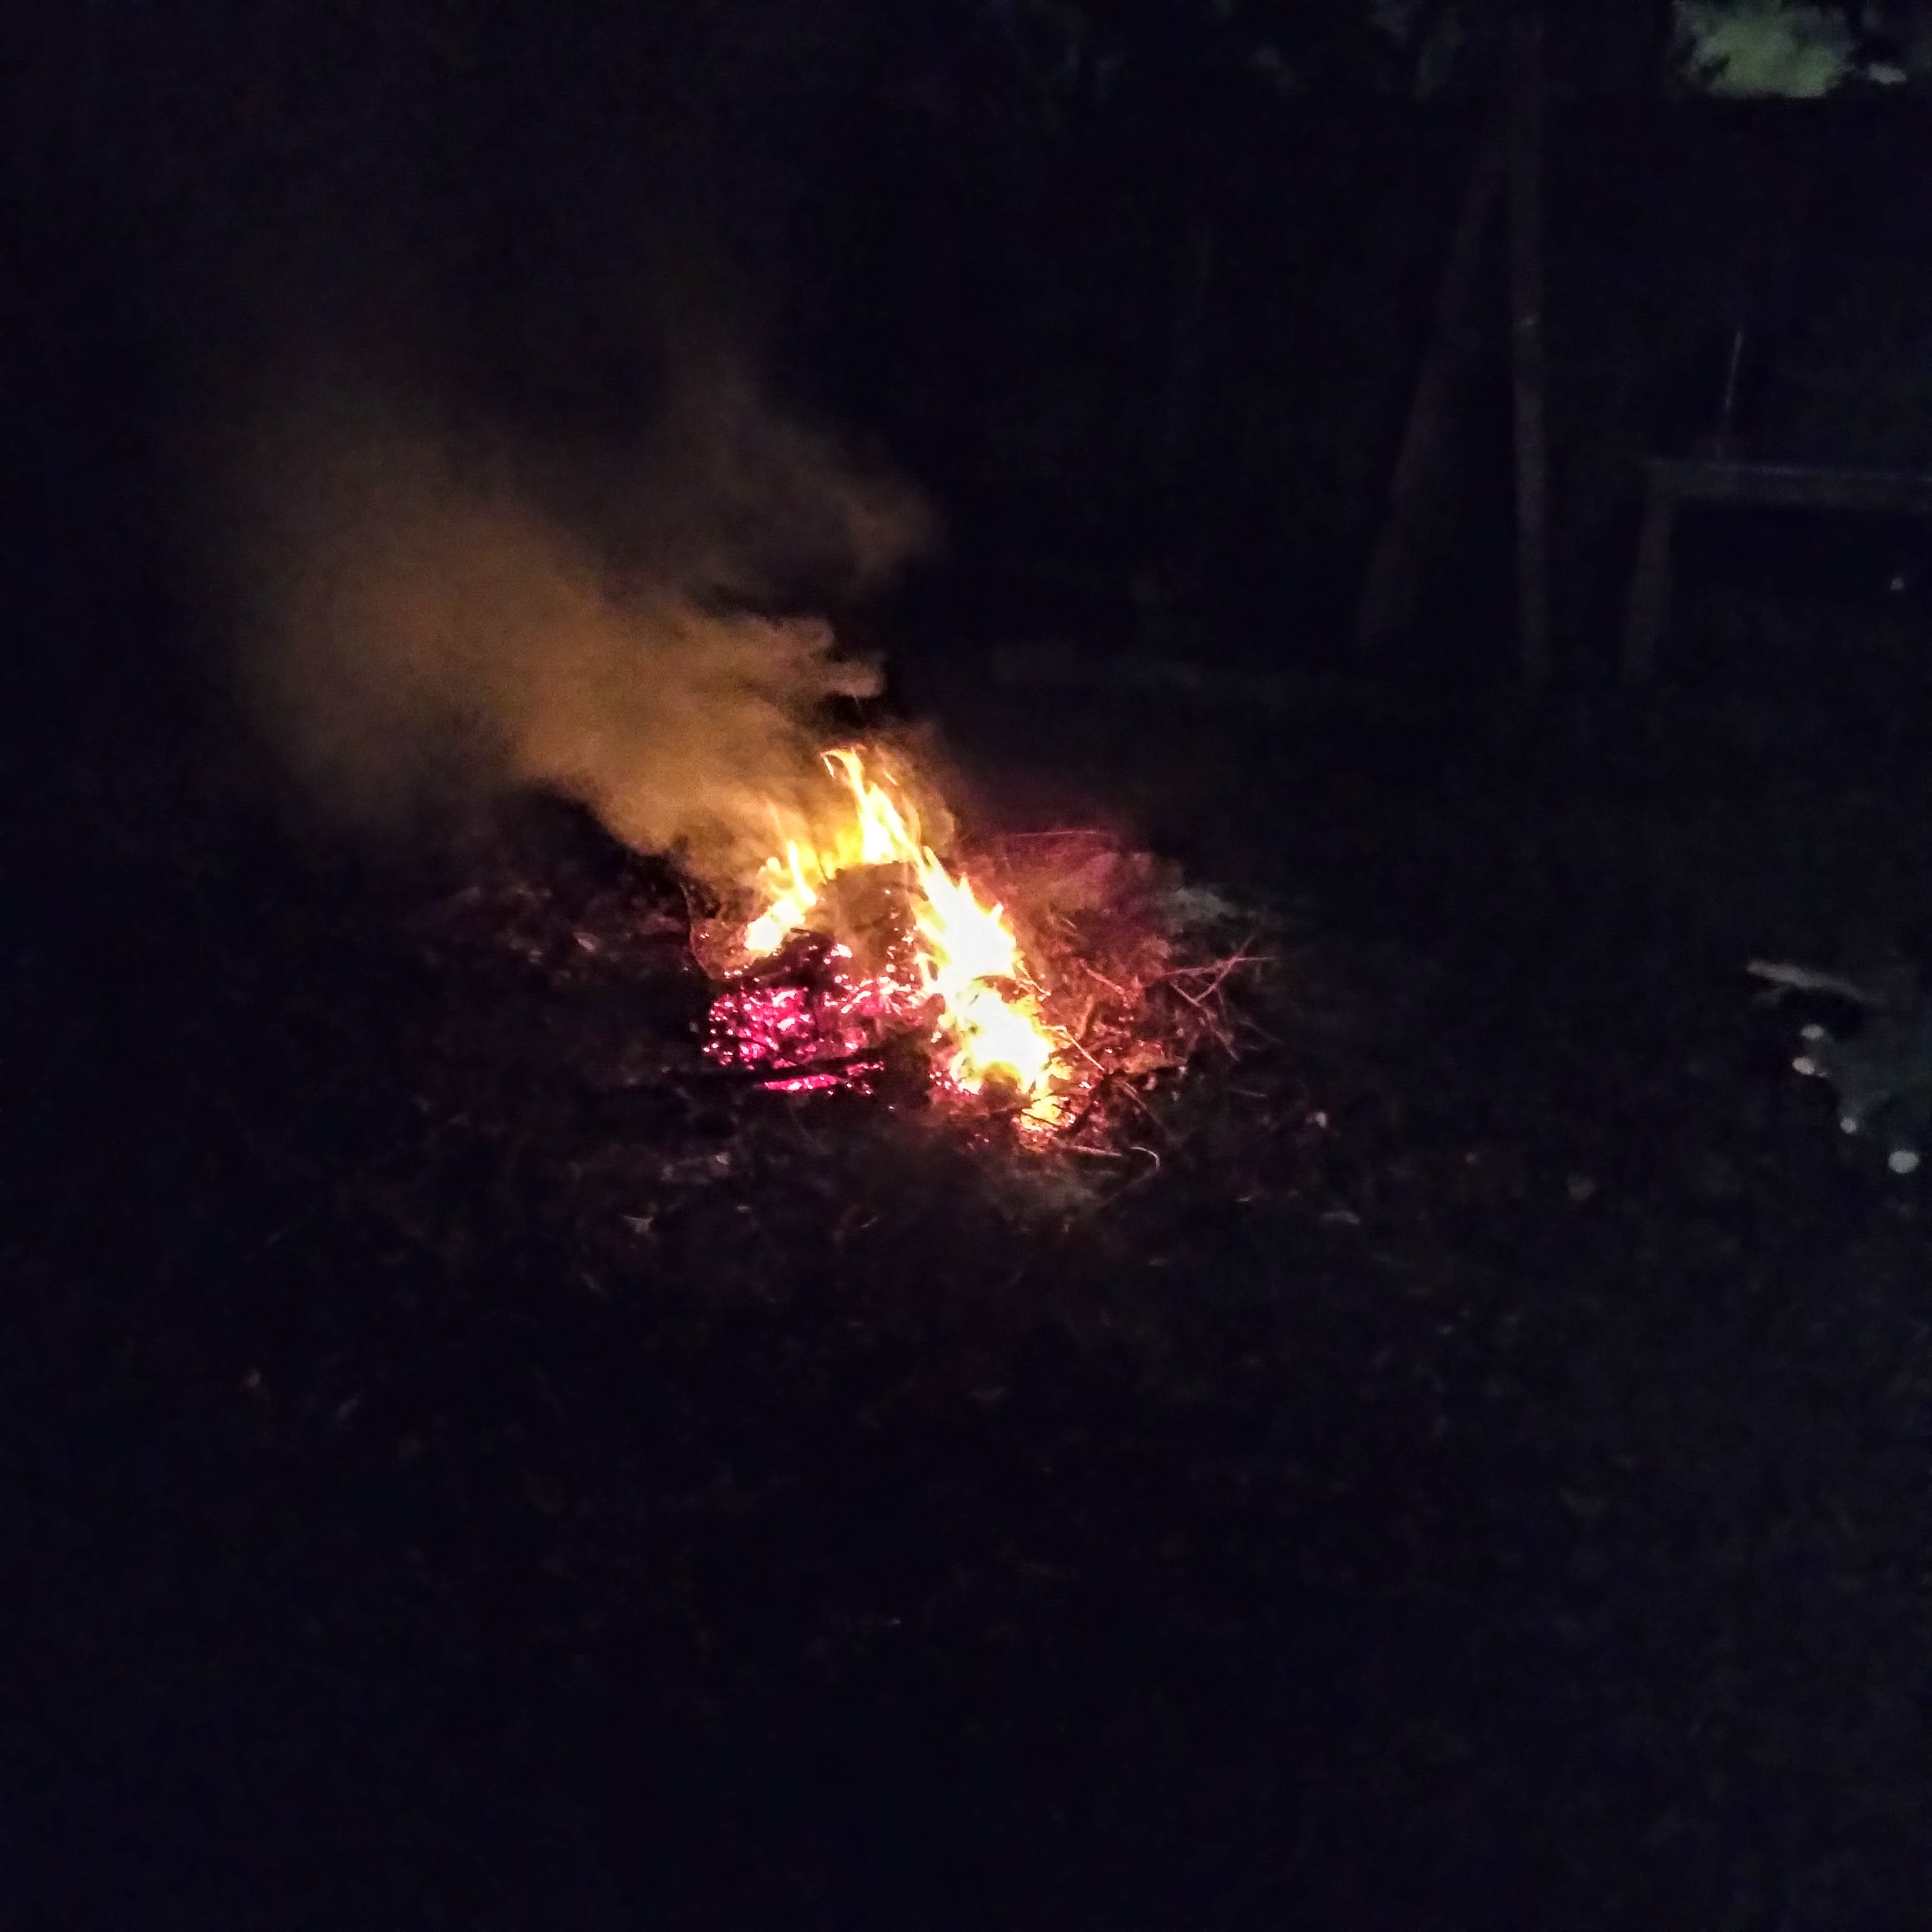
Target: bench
[1671,481]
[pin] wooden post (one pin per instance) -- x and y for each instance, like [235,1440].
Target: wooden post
[1530,382]
[1392,585]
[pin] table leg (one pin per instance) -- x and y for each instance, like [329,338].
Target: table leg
[1650,592]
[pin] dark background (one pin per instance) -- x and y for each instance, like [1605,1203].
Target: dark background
[432,1500]
[1152,310]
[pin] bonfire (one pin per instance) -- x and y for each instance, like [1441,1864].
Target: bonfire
[1030,981]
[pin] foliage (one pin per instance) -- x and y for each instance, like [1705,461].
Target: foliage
[1796,49]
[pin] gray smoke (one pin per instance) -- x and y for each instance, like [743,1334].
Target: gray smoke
[418,624]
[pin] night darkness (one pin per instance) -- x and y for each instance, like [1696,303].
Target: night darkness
[1452,1453]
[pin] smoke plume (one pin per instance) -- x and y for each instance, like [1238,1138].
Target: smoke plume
[421,625]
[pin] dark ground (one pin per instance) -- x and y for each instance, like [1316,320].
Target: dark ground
[444,1493]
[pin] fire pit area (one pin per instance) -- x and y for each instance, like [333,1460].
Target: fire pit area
[537,1441]
[675,1033]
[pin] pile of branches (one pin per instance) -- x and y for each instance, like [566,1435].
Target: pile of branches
[1129,969]
[574,1011]
[1135,970]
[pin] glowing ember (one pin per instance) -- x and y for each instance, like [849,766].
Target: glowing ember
[802,1023]
[936,959]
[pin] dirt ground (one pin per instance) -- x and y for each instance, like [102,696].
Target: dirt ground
[1464,1464]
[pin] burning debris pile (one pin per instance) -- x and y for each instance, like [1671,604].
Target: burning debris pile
[661,1061]
[1040,981]
[670,905]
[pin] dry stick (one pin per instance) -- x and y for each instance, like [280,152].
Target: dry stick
[1153,1119]
[1211,1008]
[1111,1078]
[1079,1047]
[1220,969]
[1093,973]
[1080,1119]
[1212,1017]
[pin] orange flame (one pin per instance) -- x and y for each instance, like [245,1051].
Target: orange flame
[966,954]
